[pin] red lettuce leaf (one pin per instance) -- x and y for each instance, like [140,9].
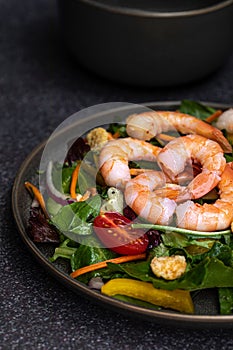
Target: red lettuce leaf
[40,230]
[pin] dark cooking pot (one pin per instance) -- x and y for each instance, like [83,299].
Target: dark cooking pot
[149,42]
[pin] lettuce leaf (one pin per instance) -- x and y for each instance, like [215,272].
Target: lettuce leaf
[40,230]
[226,300]
[196,109]
[76,218]
[209,273]
[90,252]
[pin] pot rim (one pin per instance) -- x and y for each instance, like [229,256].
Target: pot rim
[154,14]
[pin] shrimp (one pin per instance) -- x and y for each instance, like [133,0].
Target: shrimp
[114,157]
[145,126]
[209,217]
[225,121]
[140,196]
[180,151]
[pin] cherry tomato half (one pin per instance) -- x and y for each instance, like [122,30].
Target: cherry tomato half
[115,232]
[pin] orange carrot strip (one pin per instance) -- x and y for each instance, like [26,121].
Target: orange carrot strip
[116,135]
[74,180]
[110,136]
[136,172]
[170,193]
[165,137]
[213,116]
[85,196]
[31,188]
[103,264]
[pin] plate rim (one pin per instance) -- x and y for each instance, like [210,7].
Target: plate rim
[137,12]
[158,316]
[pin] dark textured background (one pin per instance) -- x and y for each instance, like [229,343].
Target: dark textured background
[40,86]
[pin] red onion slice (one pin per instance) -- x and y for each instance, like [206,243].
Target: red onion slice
[56,195]
[95,283]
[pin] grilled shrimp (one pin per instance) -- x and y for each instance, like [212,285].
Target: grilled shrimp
[209,217]
[225,121]
[174,157]
[140,196]
[145,126]
[115,155]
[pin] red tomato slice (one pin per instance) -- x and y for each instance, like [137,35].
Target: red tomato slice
[115,232]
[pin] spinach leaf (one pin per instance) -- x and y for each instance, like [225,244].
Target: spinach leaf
[223,252]
[138,270]
[209,273]
[62,176]
[229,157]
[160,250]
[86,179]
[218,250]
[143,164]
[118,128]
[177,240]
[76,218]
[52,206]
[90,253]
[196,109]
[66,178]
[225,300]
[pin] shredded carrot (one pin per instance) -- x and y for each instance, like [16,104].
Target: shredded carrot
[213,116]
[116,135]
[74,180]
[110,136]
[165,137]
[102,264]
[136,172]
[33,189]
[171,193]
[85,196]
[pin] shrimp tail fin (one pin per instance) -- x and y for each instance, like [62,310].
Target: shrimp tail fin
[200,183]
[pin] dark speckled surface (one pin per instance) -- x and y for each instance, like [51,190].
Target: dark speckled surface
[41,85]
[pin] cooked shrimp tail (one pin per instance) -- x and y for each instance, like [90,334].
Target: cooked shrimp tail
[174,157]
[209,217]
[147,125]
[225,121]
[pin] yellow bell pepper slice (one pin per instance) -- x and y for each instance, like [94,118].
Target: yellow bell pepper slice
[177,299]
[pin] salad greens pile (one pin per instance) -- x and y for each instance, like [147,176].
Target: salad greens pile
[209,257]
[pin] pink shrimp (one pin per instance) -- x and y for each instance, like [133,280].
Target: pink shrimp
[174,157]
[116,154]
[146,125]
[225,121]
[209,217]
[140,196]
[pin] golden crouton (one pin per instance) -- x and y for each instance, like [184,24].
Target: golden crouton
[169,267]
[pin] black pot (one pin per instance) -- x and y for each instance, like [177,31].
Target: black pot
[152,43]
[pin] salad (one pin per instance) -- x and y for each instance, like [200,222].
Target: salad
[95,213]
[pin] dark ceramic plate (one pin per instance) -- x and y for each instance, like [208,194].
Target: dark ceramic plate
[205,301]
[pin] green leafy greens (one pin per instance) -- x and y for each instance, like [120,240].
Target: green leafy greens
[209,256]
[76,218]
[196,109]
